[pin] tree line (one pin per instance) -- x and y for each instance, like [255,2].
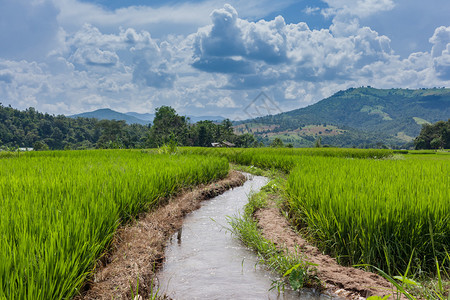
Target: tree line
[43,131]
[434,136]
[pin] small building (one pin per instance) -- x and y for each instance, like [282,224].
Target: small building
[223,144]
[228,144]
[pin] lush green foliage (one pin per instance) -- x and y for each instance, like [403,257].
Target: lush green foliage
[434,136]
[168,126]
[43,131]
[33,129]
[59,210]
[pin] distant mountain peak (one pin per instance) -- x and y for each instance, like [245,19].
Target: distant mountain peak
[134,117]
[109,114]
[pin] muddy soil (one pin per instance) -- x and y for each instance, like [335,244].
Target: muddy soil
[346,282]
[138,249]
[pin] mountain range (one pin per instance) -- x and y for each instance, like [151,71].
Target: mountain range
[136,118]
[357,117]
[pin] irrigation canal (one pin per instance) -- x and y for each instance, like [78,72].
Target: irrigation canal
[203,260]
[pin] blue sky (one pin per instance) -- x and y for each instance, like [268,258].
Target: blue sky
[213,57]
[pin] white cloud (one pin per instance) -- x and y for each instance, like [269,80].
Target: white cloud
[219,68]
[359,8]
[442,64]
[265,52]
[6,77]
[441,52]
[180,18]
[440,40]
[224,102]
[311,10]
[95,57]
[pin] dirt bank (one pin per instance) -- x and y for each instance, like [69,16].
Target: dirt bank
[138,249]
[347,282]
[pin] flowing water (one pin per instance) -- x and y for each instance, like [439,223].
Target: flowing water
[203,260]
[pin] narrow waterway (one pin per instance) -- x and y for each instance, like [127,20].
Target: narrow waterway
[203,261]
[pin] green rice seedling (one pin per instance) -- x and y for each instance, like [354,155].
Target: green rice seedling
[244,155]
[378,212]
[59,210]
[284,159]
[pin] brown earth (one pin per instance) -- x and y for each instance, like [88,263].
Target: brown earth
[138,249]
[346,282]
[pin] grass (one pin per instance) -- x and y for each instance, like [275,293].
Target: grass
[59,211]
[377,212]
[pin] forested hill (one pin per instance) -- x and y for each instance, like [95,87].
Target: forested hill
[358,117]
[40,131]
[30,128]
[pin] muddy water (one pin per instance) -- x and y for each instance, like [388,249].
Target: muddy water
[203,261]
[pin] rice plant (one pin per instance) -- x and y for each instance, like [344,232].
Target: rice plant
[377,212]
[59,211]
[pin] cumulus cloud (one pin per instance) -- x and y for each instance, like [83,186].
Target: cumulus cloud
[222,65]
[232,40]
[151,66]
[95,57]
[157,77]
[440,40]
[442,64]
[441,51]
[263,53]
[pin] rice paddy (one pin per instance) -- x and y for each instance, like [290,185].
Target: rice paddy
[367,207]
[377,212]
[59,211]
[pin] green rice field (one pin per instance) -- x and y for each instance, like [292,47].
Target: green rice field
[59,210]
[366,207]
[377,212]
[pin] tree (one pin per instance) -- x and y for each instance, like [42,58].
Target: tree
[40,146]
[112,134]
[318,142]
[434,136]
[277,143]
[24,128]
[246,140]
[165,124]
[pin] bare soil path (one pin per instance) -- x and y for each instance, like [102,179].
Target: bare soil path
[346,282]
